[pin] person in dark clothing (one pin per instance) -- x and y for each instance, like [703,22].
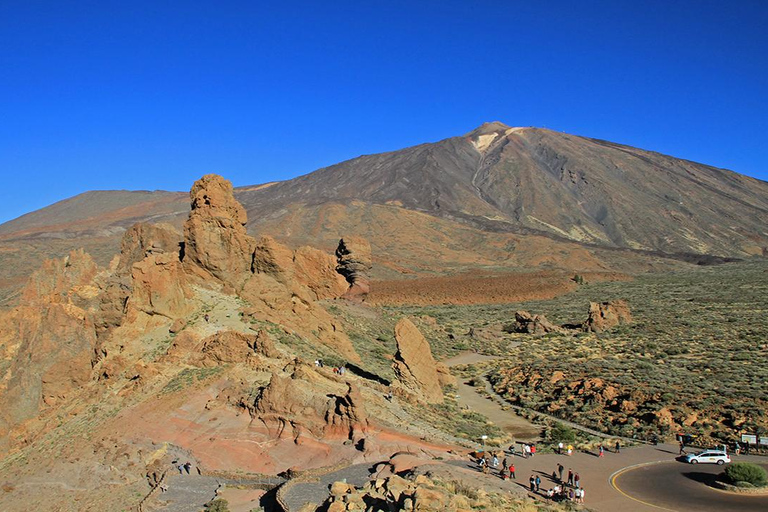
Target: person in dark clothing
[560,469]
[618,447]
[532,481]
[538,483]
[187,467]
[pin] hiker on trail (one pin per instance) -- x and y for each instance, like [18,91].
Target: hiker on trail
[618,447]
[481,462]
[570,449]
[560,448]
[600,451]
[582,495]
[538,483]
[512,450]
[576,480]
[486,464]
[512,472]
[180,467]
[570,476]
[577,495]
[532,481]
[560,469]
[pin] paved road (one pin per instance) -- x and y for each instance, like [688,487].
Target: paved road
[676,486]
[316,492]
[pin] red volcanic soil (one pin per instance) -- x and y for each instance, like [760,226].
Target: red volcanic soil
[471,288]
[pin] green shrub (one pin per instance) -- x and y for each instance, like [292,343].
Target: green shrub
[560,432]
[746,472]
[217,505]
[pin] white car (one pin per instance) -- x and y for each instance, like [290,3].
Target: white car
[708,457]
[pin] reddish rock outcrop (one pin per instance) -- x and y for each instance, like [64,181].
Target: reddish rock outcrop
[237,347]
[143,240]
[414,365]
[159,287]
[606,315]
[215,241]
[354,263]
[533,324]
[291,405]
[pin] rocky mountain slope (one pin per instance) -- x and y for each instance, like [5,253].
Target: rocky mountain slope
[497,197]
[196,345]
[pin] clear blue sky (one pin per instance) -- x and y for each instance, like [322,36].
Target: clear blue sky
[153,94]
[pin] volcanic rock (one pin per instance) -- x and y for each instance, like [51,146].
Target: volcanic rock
[414,366]
[159,287]
[605,315]
[533,324]
[293,402]
[215,241]
[354,263]
[237,347]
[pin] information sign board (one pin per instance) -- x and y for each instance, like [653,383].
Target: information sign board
[749,439]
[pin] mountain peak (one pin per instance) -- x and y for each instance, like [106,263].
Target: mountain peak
[488,128]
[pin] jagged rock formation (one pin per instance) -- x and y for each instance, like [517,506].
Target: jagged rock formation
[288,405]
[49,341]
[215,240]
[354,263]
[604,315]
[533,324]
[237,347]
[414,366]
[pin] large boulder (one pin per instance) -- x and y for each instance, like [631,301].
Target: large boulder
[605,315]
[533,324]
[215,240]
[414,365]
[354,262]
[159,287]
[237,347]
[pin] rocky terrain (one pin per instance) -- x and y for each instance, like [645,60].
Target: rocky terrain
[195,346]
[497,199]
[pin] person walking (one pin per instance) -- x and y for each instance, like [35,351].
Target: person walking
[618,447]
[578,495]
[570,449]
[512,472]
[532,482]
[570,476]
[538,483]
[505,464]
[560,469]
[533,450]
[582,495]
[495,461]
[682,448]
[560,448]
[526,450]
[600,451]
[576,480]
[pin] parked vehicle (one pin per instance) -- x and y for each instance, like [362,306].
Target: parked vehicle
[708,457]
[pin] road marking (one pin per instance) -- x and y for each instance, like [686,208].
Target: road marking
[618,473]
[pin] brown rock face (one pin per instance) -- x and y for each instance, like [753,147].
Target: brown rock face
[237,347]
[140,241]
[533,324]
[354,263]
[606,315]
[215,240]
[159,287]
[414,366]
[49,340]
[307,266]
[292,403]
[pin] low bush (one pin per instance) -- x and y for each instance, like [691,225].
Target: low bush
[746,472]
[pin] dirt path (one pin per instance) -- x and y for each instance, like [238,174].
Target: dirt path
[517,427]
